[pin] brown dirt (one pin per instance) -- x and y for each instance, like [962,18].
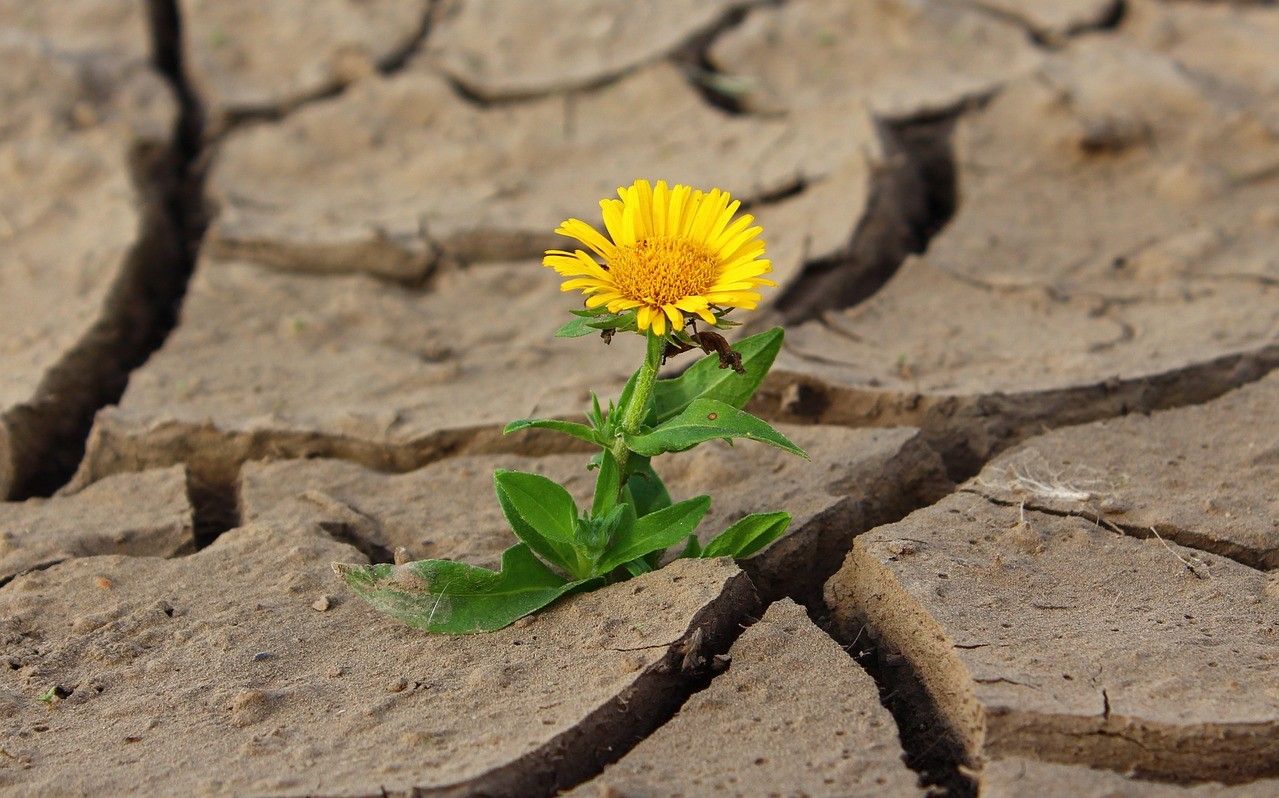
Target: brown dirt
[1203,476]
[142,515]
[910,59]
[1100,313]
[249,59]
[768,723]
[1013,778]
[498,50]
[86,247]
[989,220]
[226,648]
[1059,639]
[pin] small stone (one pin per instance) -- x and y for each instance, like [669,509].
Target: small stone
[335,671]
[321,604]
[397,685]
[103,582]
[262,655]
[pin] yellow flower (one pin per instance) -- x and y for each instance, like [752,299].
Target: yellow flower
[669,251]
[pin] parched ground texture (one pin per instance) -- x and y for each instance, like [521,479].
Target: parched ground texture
[269,289]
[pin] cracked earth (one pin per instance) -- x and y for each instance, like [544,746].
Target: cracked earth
[269,289]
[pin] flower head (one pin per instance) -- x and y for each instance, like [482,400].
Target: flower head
[669,252]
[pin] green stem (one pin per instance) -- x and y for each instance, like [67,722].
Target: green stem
[633,413]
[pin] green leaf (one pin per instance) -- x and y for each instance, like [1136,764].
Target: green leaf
[647,491]
[584,324]
[456,598]
[706,380]
[542,514]
[595,416]
[607,485]
[692,548]
[638,566]
[706,420]
[654,532]
[571,428]
[575,327]
[748,535]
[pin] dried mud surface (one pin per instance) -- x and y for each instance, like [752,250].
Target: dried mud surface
[1204,476]
[269,289]
[290,696]
[247,59]
[1057,638]
[85,134]
[1171,301]
[145,514]
[769,722]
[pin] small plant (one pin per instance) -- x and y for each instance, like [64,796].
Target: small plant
[673,257]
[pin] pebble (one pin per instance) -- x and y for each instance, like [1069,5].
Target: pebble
[262,655]
[321,604]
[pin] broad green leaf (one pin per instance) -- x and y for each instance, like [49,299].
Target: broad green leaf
[575,327]
[748,535]
[571,428]
[638,566]
[654,532]
[648,493]
[706,420]
[583,324]
[706,380]
[456,598]
[542,514]
[607,485]
[621,322]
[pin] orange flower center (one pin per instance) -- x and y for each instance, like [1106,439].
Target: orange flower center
[661,271]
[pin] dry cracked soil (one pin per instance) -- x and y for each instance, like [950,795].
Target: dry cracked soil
[269,289]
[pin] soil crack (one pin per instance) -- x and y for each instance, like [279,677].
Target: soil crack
[914,194]
[1182,537]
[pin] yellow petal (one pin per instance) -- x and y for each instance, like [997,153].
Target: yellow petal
[708,216]
[584,282]
[661,201]
[628,225]
[725,216]
[642,194]
[734,298]
[692,303]
[612,212]
[730,248]
[588,235]
[644,317]
[677,318]
[659,321]
[738,225]
[618,305]
[675,211]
